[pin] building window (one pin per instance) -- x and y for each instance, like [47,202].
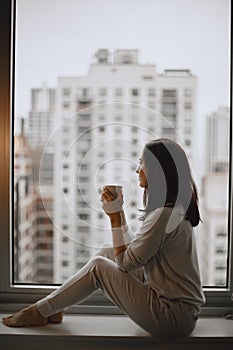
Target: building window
[66,91]
[151,104]
[220,249]
[135,92]
[118,129]
[84,117]
[221,234]
[148,77]
[134,117]
[169,93]
[101,128]
[187,142]
[83,229]
[188,130]
[188,118]
[118,105]
[135,104]
[188,105]
[84,166]
[66,104]
[151,92]
[119,92]
[219,281]
[101,154]
[188,92]
[102,92]
[118,117]
[83,216]
[83,179]
[220,265]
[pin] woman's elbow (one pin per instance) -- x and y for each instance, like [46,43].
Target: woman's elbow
[122,268]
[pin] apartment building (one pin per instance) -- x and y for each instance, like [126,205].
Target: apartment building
[214,234]
[33,228]
[23,211]
[41,115]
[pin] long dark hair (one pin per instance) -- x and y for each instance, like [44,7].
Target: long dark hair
[169,179]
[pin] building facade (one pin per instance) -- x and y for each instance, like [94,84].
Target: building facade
[33,228]
[214,233]
[41,115]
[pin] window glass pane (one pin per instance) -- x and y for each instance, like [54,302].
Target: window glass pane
[83,113]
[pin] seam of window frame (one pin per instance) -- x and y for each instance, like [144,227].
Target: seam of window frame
[217,301]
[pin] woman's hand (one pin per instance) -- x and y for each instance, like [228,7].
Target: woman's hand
[110,204]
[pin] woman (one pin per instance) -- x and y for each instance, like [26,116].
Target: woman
[155,278]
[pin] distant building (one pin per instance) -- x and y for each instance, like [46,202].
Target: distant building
[40,125]
[43,238]
[33,230]
[41,116]
[23,211]
[214,235]
[217,141]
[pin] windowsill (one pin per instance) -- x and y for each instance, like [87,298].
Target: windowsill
[91,331]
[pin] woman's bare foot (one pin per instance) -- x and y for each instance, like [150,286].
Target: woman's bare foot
[29,316]
[56,318]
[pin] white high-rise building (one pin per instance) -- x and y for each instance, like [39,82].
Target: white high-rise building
[217,141]
[214,235]
[40,125]
[104,118]
[33,229]
[41,115]
[23,211]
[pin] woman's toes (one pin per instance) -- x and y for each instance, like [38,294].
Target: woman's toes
[5,321]
[27,317]
[7,318]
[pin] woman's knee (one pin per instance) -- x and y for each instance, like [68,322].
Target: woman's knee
[100,263]
[106,251]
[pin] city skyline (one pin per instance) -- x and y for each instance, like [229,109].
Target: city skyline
[82,147]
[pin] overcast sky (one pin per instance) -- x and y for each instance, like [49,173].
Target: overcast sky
[60,37]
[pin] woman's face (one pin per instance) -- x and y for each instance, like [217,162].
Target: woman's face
[141,171]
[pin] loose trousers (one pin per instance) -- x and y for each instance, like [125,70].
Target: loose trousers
[128,291]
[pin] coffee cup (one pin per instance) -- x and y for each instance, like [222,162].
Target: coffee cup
[114,189]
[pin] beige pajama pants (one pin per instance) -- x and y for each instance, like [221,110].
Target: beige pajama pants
[128,291]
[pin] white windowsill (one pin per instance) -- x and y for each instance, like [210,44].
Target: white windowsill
[116,331]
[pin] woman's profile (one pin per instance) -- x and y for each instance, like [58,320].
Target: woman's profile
[154,279]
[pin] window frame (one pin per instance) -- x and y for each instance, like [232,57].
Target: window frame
[218,300]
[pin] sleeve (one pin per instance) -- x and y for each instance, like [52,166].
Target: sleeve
[146,244]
